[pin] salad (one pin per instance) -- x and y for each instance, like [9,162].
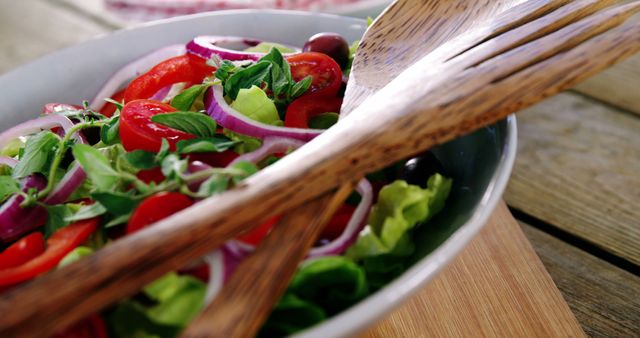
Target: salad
[178,125]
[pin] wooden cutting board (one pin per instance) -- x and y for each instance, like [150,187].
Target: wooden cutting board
[497,287]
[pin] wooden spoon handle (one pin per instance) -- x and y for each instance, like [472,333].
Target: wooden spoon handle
[250,294]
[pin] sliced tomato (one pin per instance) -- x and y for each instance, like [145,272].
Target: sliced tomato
[22,251]
[155,208]
[326,73]
[59,245]
[301,110]
[256,235]
[90,327]
[151,175]
[184,68]
[137,131]
[338,222]
[109,108]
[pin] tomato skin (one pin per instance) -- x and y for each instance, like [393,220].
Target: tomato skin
[256,235]
[109,108]
[338,222]
[326,73]
[59,245]
[155,208]
[183,68]
[22,251]
[137,131]
[304,108]
[90,327]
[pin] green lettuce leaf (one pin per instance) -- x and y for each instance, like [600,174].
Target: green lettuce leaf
[265,47]
[256,105]
[291,315]
[400,208]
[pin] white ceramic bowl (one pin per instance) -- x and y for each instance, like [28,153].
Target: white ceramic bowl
[479,163]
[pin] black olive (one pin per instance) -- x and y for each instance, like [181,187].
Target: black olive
[417,170]
[331,44]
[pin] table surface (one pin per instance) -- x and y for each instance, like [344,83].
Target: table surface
[575,188]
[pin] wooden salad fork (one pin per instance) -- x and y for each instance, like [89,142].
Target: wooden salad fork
[467,81]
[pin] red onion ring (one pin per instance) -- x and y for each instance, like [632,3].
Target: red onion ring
[208,45]
[15,220]
[36,125]
[233,120]
[69,183]
[337,246]
[217,274]
[271,145]
[133,69]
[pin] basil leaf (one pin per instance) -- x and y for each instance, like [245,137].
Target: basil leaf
[279,82]
[122,219]
[86,212]
[173,166]
[96,165]
[213,185]
[37,156]
[8,186]
[110,132]
[141,159]
[116,203]
[301,87]
[226,67]
[184,100]
[323,121]
[253,75]
[204,145]
[56,219]
[189,122]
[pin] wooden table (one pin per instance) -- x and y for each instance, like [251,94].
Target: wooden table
[575,189]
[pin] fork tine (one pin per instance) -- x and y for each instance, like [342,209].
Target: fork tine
[532,30]
[543,48]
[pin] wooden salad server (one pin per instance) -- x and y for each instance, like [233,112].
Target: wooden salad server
[475,84]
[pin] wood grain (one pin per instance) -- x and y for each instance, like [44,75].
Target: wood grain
[599,294]
[29,29]
[577,169]
[497,287]
[247,299]
[411,115]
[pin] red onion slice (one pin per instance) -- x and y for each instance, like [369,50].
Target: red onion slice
[216,263]
[233,120]
[337,246]
[133,69]
[207,46]
[69,183]
[36,125]
[271,145]
[15,220]
[8,161]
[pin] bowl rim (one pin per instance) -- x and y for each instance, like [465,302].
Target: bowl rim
[363,314]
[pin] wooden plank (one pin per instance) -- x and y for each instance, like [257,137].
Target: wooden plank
[29,29]
[618,86]
[599,294]
[577,169]
[497,287]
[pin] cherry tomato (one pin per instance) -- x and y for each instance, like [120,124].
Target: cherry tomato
[137,131]
[326,73]
[304,108]
[22,251]
[151,175]
[59,245]
[338,222]
[256,235]
[331,44]
[109,108]
[155,208]
[90,327]
[184,68]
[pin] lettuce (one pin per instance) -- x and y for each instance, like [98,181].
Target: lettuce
[176,301]
[256,105]
[400,208]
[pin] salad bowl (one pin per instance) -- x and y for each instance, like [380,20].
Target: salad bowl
[479,163]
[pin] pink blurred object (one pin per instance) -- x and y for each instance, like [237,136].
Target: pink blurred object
[142,10]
